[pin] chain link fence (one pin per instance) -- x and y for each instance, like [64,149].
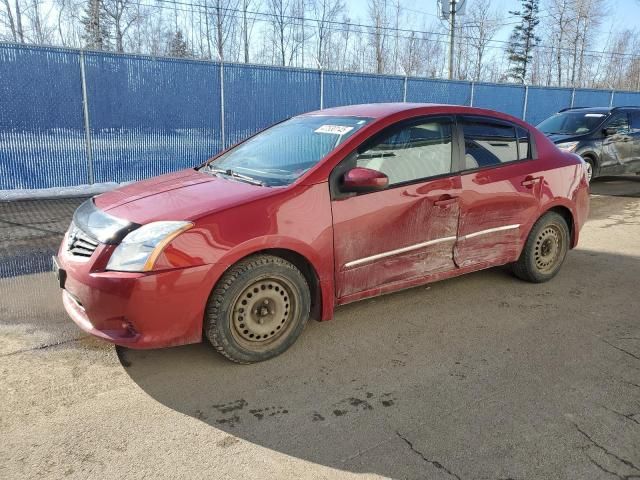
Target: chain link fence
[70,117]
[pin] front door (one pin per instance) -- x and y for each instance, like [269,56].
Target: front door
[501,190]
[618,148]
[409,229]
[634,164]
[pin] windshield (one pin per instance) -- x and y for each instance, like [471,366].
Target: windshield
[282,153]
[571,123]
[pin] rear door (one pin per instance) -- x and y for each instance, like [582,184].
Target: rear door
[500,191]
[409,229]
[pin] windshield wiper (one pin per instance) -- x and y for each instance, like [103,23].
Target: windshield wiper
[239,176]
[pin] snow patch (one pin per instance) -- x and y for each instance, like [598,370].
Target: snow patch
[58,192]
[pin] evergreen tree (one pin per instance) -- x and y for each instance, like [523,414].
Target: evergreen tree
[178,46]
[96,26]
[523,39]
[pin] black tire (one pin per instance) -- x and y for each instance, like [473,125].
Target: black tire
[545,249]
[591,168]
[258,309]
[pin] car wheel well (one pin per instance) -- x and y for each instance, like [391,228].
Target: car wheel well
[307,270]
[565,213]
[593,158]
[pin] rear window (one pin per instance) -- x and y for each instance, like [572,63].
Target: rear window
[487,144]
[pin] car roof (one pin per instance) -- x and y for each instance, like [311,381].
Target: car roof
[587,109]
[382,110]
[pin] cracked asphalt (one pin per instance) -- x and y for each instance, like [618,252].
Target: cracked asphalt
[478,377]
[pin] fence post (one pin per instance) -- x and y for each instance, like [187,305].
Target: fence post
[222,127]
[85,114]
[404,92]
[473,89]
[611,98]
[526,101]
[573,96]
[321,88]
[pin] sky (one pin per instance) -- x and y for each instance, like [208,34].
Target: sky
[623,14]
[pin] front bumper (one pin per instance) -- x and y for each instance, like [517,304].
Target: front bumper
[137,310]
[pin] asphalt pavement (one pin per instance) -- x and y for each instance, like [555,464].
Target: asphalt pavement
[477,377]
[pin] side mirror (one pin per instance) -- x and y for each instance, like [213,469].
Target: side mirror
[609,131]
[359,180]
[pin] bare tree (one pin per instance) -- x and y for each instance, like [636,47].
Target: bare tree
[346,36]
[397,12]
[560,13]
[19,30]
[299,35]
[325,12]
[122,15]
[281,28]
[247,26]
[223,23]
[380,22]
[9,21]
[481,26]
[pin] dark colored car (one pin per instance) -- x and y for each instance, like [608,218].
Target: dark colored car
[608,139]
[320,210]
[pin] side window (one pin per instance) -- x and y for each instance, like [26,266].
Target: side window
[619,121]
[487,144]
[414,152]
[524,149]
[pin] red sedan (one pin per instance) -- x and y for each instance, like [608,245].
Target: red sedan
[320,210]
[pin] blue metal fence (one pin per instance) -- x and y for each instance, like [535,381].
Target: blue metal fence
[145,116]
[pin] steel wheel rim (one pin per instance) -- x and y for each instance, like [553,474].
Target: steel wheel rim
[589,171]
[263,312]
[548,248]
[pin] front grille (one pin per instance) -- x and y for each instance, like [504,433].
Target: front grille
[79,244]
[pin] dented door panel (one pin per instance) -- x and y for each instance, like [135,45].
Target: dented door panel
[497,206]
[396,234]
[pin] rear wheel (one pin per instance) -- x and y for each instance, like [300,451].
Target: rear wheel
[545,249]
[258,309]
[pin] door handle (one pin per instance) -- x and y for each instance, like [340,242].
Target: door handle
[529,182]
[445,200]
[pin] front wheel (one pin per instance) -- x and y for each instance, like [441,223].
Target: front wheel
[590,168]
[258,309]
[545,249]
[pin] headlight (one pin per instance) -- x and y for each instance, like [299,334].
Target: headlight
[140,248]
[567,146]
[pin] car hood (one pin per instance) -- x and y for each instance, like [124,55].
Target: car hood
[562,137]
[183,195]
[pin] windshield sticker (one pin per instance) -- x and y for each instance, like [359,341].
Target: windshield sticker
[594,115]
[333,129]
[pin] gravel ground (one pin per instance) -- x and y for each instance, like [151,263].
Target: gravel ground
[478,377]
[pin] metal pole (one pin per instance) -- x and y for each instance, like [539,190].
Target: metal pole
[452,12]
[85,112]
[573,96]
[473,88]
[321,88]
[404,92]
[222,133]
[611,98]
[526,101]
